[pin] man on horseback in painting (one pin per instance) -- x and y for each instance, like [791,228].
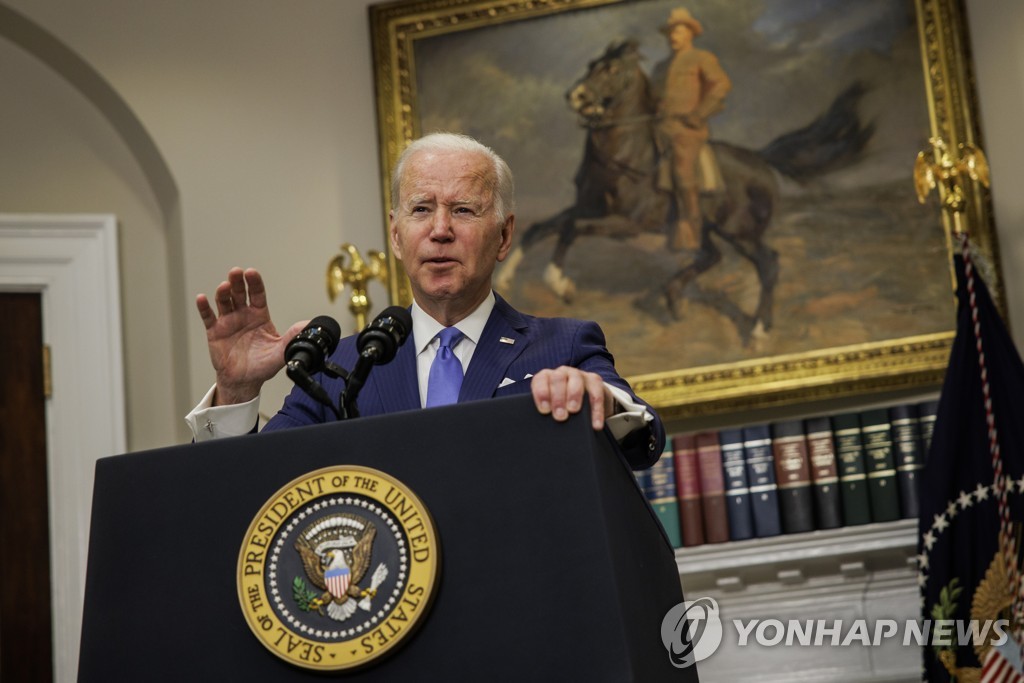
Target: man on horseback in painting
[622,193]
[691,87]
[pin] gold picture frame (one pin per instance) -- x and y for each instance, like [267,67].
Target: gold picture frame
[892,363]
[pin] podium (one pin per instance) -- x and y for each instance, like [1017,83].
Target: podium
[552,563]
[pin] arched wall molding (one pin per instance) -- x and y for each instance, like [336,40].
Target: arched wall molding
[48,49]
[91,84]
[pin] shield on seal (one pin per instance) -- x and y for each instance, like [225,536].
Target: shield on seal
[337,580]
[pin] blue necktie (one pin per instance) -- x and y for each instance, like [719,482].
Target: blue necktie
[446,371]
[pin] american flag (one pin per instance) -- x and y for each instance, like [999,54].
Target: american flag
[971,497]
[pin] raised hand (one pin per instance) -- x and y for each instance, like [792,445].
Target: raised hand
[245,348]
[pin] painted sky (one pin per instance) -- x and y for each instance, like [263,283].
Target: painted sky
[787,59]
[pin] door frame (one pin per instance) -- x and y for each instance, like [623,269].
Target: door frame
[72,261]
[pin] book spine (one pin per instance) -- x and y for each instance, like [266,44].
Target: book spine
[906,444]
[661,492]
[828,513]
[643,479]
[793,474]
[764,494]
[853,484]
[880,465]
[712,488]
[926,413]
[687,473]
[737,492]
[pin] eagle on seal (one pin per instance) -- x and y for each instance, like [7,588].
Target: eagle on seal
[336,554]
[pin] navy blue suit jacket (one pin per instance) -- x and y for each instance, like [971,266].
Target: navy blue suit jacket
[538,343]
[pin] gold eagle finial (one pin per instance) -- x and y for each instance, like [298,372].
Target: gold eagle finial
[947,172]
[359,274]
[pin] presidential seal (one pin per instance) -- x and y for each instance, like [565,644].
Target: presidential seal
[338,568]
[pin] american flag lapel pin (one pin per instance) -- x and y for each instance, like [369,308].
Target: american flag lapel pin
[507,340]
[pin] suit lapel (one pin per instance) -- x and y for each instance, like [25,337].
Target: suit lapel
[492,355]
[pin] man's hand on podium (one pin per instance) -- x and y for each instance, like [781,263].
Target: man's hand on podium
[559,393]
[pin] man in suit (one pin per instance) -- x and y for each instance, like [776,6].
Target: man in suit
[451,222]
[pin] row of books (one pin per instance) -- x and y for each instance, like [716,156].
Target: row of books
[791,476]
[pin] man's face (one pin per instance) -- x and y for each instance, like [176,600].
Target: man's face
[681,37]
[445,229]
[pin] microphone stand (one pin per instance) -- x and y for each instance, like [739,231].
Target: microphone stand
[357,378]
[354,381]
[312,388]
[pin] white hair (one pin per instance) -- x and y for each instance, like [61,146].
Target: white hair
[504,185]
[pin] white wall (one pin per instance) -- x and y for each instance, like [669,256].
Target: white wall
[61,156]
[263,112]
[997,37]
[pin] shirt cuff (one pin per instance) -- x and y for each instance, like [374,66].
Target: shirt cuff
[208,421]
[628,417]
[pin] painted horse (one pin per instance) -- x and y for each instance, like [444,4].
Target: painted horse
[618,194]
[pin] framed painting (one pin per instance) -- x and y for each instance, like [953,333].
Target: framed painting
[815,272]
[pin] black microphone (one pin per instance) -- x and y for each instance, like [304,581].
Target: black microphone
[307,355]
[380,340]
[310,348]
[377,344]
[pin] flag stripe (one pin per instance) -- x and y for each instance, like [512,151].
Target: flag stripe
[996,669]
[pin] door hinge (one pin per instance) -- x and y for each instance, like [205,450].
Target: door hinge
[47,374]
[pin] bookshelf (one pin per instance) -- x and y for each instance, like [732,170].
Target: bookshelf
[861,572]
[848,573]
[847,552]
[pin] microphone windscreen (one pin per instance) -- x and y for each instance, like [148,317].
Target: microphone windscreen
[329,328]
[402,316]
